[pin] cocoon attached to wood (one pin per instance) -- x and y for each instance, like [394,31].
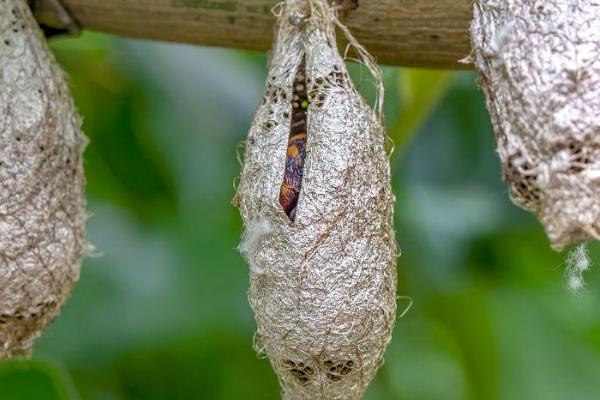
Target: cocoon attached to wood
[317,206]
[42,205]
[539,66]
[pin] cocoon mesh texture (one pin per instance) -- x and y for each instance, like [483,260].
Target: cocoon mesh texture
[42,206]
[322,287]
[539,66]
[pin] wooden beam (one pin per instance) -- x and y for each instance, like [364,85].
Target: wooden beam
[417,33]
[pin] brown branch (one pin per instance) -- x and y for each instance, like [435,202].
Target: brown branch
[419,33]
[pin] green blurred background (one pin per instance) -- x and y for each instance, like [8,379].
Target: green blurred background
[162,313]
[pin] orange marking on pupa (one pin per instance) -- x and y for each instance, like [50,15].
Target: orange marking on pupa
[296,150]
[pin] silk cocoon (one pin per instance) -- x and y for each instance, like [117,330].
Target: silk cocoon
[42,205]
[323,287]
[539,66]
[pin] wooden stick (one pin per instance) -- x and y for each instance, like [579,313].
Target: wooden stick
[417,33]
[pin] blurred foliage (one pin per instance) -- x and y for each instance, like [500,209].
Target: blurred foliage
[35,379]
[162,312]
[420,90]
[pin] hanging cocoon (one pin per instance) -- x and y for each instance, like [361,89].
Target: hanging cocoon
[317,206]
[539,66]
[42,205]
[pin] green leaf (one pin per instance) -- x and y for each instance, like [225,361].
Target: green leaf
[34,380]
[467,316]
[420,91]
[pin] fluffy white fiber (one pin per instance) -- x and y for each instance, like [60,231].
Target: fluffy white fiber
[577,262]
[254,231]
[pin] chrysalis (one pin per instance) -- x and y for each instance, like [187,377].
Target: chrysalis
[316,202]
[539,66]
[42,206]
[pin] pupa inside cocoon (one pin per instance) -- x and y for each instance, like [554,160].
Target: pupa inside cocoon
[42,206]
[316,202]
[539,66]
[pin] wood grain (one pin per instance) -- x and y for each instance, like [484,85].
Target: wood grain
[417,33]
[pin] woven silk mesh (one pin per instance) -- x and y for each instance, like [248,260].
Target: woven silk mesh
[41,183]
[539,66]
[323,287]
